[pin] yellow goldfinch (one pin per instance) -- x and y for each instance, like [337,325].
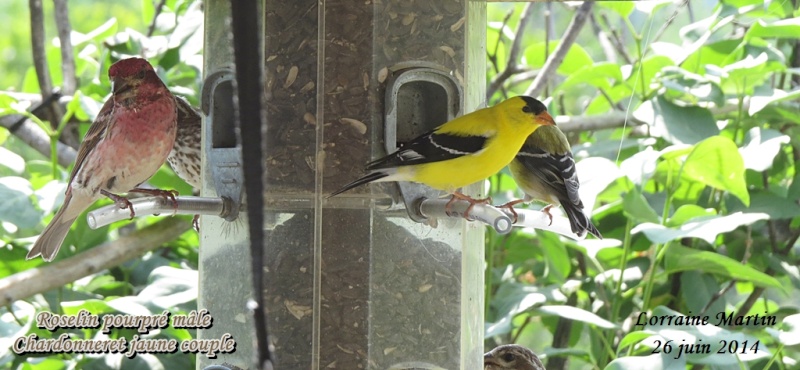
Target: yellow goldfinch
[511,357]
[462,151]
[544,169]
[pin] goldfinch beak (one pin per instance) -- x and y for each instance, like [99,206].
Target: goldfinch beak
[545,119]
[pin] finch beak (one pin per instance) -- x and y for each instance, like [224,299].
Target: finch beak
[545,119]
[120,86]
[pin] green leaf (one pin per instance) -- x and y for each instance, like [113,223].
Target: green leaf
[601,75]
[769,95]
[105,30]
[793,193]
[687,212]
[93,306]
[4,134]
[789,333]
[650,68]
[637,208]
[650,7]
[512,299]
[744,76]
[9,328]
[577,314]
[676,124]
[17,206]
[170,59]
[761,148]
[706,228]
[169,287]
[623,8]
[640,167]
[576,58]
[632,338]
[716,162]
[784,28]
[148,11]
[776,206]
[556,256]
[703,289]
[680,258]
[715,54]
[742,3]
[616,94]
[12,161]
[691,87]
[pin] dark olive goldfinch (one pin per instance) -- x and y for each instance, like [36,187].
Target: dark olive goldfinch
[545,170]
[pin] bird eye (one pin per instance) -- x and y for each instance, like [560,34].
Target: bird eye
[527,109]
[508,357]
[141,74]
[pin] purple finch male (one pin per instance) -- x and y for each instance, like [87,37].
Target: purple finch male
[127,143]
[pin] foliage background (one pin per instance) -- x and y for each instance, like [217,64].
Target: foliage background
[695,190]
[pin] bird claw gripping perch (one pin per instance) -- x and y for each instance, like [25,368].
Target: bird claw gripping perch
[510,207]
[472,202]
[122,202]
[166,194]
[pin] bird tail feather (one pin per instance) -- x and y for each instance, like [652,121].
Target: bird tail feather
[49,242]
[374,176]
[578,221]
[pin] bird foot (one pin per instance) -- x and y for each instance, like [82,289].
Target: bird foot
[122,202]
[166,194]
[510,206]
[546,211]
[472,202]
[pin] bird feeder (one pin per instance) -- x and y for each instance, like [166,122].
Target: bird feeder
[368,279]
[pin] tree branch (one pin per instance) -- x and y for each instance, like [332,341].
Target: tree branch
[53,275]
[69,83]
[669,21]
[555,60]
[605,41]
[616,40]
[40,59]
[158,10]
[33,135]
[594,123]
[493,55]
[513,54]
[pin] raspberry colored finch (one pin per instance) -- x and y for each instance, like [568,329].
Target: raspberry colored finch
[127,143]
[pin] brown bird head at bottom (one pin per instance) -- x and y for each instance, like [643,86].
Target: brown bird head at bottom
[511,357]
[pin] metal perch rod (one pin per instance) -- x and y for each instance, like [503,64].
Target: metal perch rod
[498,218]
[540,220]
[160,205]
[435,208]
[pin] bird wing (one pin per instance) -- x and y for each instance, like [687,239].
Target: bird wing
[431,147]
[96,133]
[556,172]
